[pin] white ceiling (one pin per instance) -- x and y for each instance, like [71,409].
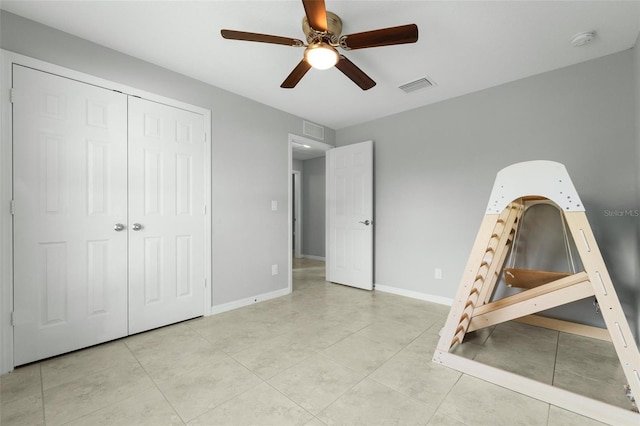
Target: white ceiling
[463,46]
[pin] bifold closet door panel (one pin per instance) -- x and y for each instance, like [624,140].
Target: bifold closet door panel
[70,191]
[166,215]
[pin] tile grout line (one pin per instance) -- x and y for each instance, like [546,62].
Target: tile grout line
[154,383]
[553,376]
[44,411]
[40,363]
[368,375]
[284,395]
[333,361]
[555,359]
[337,363]
[445,398]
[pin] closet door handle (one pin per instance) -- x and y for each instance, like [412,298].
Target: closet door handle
[136,227]
[118,227]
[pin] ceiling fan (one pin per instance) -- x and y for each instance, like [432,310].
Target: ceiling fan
[323,31]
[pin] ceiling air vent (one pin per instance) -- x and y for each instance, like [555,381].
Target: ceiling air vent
[313,130]
[419,84]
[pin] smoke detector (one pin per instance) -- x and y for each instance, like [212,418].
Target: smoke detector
[581,39]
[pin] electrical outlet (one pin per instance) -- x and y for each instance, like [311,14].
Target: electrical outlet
[274,269]
[437,273]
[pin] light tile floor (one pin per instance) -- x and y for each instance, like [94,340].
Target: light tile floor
[324,355]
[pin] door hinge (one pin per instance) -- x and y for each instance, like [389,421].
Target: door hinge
[204,138]
[12,95]
[205,283]
[204,210]
[12,207]
[13,318]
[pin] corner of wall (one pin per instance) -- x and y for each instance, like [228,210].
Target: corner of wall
[636,76]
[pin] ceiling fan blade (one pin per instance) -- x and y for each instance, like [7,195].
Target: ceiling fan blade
[384,37]
[316,14]
[261,38]
[356,75]
[296,75]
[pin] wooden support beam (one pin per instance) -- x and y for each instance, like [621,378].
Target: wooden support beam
[516,306]
[566,327]
[532,293]
[597,410]
[605,293]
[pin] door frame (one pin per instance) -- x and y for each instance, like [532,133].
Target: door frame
[7,59]
[303,140]
[297,207]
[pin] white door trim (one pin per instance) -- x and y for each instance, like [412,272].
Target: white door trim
[302,140]
[6,183]
[6,221]
[297,189]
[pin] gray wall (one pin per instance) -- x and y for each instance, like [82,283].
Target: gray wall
[313,207]
[435,167]
[249,146]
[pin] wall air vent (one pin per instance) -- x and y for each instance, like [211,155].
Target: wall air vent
[419,84]
[312,130]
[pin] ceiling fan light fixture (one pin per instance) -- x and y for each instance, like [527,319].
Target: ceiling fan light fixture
[323,31]
[321,56]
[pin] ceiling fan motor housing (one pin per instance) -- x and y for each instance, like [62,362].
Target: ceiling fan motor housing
[332,36]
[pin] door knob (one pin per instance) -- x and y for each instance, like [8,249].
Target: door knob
[118,227]
[136,227]
[366,222]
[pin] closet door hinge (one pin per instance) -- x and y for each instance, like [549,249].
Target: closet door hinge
[13,318]
[205,283]
[12,95]
[12,207]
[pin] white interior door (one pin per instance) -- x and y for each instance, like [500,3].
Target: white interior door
[70,190]
[350,215]
[166,215]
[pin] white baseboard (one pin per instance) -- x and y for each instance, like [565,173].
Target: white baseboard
[414,294]
[218,309]
[312,257]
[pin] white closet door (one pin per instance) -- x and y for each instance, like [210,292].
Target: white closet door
[70,190]
[166,215]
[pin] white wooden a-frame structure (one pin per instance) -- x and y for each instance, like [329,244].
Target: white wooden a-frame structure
[515,188]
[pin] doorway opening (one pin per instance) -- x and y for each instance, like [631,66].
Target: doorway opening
[307,180]
[296,225]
